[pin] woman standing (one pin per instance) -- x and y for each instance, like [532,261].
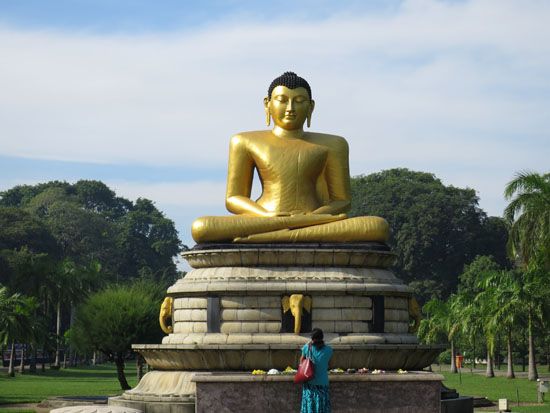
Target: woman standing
[315,393]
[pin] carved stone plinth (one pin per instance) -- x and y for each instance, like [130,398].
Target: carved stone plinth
[228,313]
[415,392]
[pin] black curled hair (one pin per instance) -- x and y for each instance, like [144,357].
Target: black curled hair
[317,337]
[291,80]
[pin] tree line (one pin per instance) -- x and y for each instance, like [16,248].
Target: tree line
[503,304]
[86,270]
[61,243]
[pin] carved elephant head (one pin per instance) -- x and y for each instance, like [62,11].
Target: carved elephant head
[295,303]
[166,314]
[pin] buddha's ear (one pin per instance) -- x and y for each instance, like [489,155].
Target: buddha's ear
[267,111]
[311,107]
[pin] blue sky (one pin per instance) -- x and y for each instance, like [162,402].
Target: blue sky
[134,16]
[144,95]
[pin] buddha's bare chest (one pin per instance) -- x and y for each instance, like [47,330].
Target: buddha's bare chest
[288,161]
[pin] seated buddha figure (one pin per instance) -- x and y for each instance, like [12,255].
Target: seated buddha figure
[304,176]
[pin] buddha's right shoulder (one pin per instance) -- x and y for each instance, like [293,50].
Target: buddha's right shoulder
[243,138]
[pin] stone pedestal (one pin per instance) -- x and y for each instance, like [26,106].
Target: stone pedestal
[228,314]
[415,392]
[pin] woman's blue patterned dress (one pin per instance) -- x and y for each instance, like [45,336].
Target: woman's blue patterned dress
[316,393]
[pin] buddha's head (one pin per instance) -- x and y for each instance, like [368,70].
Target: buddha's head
[289,102]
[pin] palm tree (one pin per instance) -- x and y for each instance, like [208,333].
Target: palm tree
[499,300]
[468,318]
[503,293]
[529,217]
[439,325]
[528,214]
[535,298]
[15,321]
[67,286]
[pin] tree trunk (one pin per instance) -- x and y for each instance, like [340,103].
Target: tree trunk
[510,373]
[453,358]
[497,353]
[532,374]
[119,361]
[11,371]
[56,363]
[65,355]
[548,355]
[490,372]
[44,359]
[474,353]
[22,362]
[523,353]
[32,362]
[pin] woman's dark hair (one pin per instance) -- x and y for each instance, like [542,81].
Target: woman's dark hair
[317,338]
[291,80]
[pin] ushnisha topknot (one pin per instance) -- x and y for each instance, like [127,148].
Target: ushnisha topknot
[291,80]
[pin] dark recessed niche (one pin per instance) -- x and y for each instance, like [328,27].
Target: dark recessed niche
[287,322]
[213,315]
[377,314]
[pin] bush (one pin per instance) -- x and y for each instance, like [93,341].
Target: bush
[111,320]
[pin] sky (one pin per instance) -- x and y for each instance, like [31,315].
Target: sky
[144,95]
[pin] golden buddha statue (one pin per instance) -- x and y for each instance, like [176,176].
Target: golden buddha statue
[304,176]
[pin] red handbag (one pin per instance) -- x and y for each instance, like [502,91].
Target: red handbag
[305,369]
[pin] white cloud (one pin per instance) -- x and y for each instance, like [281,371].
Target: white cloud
[462,84]
[180,194]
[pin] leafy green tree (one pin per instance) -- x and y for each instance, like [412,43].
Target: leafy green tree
[55,235]
[20,195]
[19,228]
[528,214]
[81,234]
[97,197]
[435,229]
[24,271]
[89,222]
[111,320]
[148,241]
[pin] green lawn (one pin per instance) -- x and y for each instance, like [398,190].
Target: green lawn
[498,388]
[16,411]
[101,381]
[84,381]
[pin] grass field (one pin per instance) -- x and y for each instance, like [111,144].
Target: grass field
[498,388]
[101,381]
[84,381]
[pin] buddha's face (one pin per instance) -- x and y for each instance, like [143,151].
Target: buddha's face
[289,108]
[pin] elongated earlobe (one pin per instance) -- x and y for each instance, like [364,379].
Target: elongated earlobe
[309,113]
[267,111]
